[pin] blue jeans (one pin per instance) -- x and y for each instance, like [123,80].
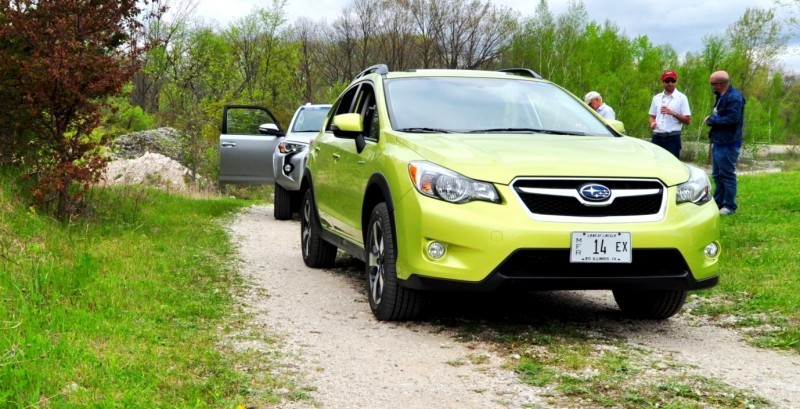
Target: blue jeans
[723,171]
[670,143]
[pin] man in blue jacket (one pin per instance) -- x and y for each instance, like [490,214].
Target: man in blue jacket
[726,140]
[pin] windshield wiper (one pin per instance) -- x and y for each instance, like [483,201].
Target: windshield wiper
[533,130]
[424,130]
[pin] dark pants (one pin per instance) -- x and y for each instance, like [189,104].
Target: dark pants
[723,171]
[670,141]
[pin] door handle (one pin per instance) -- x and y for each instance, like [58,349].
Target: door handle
[228,144]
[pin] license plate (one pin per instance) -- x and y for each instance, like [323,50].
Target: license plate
[600,247]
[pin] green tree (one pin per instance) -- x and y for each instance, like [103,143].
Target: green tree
[756,39]
[529,46]
[67,55]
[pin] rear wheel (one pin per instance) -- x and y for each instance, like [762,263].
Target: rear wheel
[282,209]
[387,299]
[653,305]
[317,252]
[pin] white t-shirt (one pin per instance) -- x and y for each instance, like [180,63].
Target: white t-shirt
[606,112]
[677,102]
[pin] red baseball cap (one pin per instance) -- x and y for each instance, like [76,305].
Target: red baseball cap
[669,74]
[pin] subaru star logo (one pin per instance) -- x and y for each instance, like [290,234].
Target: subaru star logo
[594,192]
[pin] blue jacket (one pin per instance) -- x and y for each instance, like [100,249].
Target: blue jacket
[728,118]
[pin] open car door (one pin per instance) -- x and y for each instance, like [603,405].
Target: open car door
[247,142]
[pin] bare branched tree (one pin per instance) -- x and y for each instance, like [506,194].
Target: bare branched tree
[161,23]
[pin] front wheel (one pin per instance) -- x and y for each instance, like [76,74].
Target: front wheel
[317,252]
[653,305]
[282,209]
[388,300]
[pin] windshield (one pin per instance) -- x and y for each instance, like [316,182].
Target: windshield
[310,119]
[490,105]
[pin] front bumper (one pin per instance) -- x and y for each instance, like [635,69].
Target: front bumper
[499,245]
[293,179]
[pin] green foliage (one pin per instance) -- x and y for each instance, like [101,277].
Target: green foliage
[264,59]
[123,309]
[121,117]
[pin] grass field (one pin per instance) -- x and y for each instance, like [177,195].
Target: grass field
[132,307]
[760,269]
[126,309]
[759,289]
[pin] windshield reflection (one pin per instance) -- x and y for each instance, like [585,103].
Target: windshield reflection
[489,105]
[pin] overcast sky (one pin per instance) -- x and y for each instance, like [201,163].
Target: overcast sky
[680,23]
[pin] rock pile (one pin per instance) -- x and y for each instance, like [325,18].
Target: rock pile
[151,158]
[164,141]
[150,169]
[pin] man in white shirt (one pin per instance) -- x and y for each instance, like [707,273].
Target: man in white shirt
[668,112]
[595,100]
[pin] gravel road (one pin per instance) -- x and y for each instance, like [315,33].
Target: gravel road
[332,343]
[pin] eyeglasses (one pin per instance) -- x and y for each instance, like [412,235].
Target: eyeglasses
[716,83]
[669,80]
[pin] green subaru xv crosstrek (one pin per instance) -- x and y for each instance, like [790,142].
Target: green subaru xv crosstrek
[479,180]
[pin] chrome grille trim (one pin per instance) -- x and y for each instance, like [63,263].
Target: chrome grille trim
[634,190]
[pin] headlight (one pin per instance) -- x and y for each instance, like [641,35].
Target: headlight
[435,181]
[290,147]
[696,189]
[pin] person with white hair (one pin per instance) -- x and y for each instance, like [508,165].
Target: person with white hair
[595,100]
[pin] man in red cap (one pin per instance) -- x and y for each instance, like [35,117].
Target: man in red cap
[669,110]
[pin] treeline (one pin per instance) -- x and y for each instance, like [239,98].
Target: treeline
[262,58]
[190,68]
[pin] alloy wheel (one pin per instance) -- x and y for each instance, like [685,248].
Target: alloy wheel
[305,225]
[376,262]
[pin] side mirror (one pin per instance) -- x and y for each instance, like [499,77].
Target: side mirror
[269,129]
[349,126]
[617,125]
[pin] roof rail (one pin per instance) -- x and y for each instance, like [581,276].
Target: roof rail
[381,69]
[525,72]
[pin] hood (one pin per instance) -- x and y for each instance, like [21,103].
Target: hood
[499,158]
[303,137]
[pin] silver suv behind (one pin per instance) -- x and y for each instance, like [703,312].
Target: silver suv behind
[254,150]
[290,157]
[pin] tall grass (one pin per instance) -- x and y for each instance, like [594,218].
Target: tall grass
[123,309]
[760,266]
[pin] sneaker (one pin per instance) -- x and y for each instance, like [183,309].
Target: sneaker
[725,211]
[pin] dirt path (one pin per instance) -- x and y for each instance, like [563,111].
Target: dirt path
[351,360]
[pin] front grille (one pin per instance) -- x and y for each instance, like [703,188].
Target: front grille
[554,263]
[550,200]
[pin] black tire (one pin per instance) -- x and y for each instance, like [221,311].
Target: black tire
[387,299]
[282,209]
[317,252]
[652,305]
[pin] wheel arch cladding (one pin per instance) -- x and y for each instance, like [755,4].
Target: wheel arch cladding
[377,191]
[306,182]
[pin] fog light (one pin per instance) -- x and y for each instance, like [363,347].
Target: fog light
[287,168]
[712,250]
[436,250]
